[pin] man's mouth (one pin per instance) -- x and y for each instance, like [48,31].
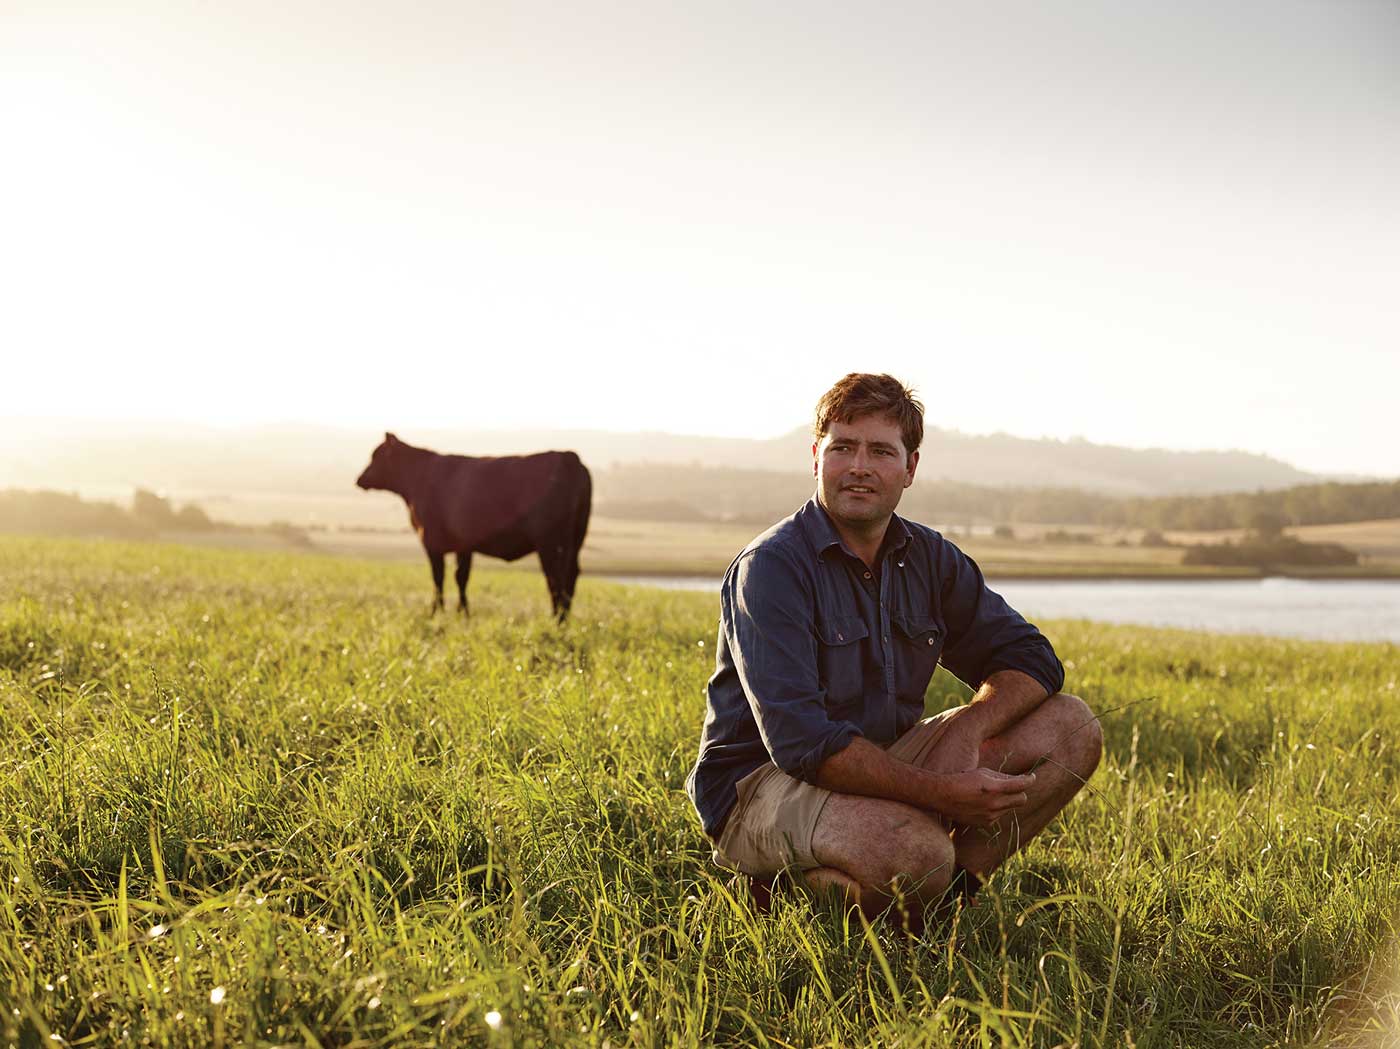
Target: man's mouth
[859,488]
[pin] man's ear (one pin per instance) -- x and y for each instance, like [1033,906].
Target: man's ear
[815,461]
[913,465]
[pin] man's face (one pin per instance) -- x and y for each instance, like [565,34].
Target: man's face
[862,469]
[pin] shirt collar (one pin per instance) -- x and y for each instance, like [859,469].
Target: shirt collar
[822,534]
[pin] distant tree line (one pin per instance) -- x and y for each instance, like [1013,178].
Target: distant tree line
[150,515]
[670,493]
[58,513]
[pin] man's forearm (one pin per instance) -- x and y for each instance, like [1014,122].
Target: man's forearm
[1005,698]
[976,797]
[863,768]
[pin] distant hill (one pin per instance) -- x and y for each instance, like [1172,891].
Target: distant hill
[323,460]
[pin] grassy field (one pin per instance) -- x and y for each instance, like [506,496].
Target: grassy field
[255,798]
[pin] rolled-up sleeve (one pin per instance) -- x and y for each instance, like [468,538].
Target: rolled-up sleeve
[766,604]
[985,634]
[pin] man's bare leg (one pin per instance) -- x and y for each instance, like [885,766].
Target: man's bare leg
[873,850]
[1062,742]
[832,884]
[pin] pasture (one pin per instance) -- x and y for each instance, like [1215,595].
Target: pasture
[257,798]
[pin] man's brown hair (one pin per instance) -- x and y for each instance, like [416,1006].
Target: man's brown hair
[861,393]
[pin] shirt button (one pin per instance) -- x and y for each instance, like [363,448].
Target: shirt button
[867,575]
[887,639]
[840,637]
[930,641]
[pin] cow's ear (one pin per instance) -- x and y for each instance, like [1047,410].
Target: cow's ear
[390,438]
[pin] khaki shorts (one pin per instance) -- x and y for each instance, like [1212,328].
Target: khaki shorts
[771,826]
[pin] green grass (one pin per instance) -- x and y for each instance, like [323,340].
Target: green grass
[276,776]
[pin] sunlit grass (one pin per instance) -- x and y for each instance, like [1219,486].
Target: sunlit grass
[261,798]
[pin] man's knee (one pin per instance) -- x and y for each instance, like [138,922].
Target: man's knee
[920,859]
[880,842]
[1081,733]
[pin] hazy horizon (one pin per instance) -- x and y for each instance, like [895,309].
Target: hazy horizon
[155,427]
[1142,226]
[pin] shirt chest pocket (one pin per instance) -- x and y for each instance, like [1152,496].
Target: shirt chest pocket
[919,643]
[840,654]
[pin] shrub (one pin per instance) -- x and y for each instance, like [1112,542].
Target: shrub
[192,518]
[1060,535]
[153,509]
[1261,552]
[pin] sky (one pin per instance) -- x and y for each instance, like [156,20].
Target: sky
[1154,225]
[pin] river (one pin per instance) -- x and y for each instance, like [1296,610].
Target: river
[1321,609]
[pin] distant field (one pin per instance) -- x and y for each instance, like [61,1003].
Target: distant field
[258,798]
[693,548]
[617,547]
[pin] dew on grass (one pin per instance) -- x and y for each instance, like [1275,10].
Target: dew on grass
[493,1020]
[156,931]
[216,996]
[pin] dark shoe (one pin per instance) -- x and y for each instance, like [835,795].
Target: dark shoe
[761,891]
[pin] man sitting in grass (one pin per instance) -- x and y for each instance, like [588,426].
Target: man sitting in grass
[814,758]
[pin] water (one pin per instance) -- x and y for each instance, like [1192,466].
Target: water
[1321,609]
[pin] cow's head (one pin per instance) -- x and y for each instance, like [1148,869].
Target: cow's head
[382,471]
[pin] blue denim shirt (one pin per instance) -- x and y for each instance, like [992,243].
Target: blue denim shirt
[815,648]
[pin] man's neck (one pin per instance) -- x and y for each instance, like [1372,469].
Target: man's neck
[865,543]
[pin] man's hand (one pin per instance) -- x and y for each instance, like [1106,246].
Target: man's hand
[972,797]
[981,797]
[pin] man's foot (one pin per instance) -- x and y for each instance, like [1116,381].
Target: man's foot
[761,891]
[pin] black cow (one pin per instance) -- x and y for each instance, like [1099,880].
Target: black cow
[505,507]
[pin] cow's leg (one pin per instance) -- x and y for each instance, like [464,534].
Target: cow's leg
[570,581]
[582,510]
[439,563]
[552,561]
[464,569]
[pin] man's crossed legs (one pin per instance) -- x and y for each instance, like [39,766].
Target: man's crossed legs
[872,849]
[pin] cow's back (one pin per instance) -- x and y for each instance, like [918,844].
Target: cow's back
[472,500]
